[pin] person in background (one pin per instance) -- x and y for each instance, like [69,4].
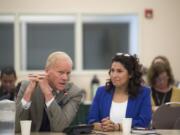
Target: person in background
[164,60]
[123,96]
[49,99]
[161,80]
[8,79]
[144,75]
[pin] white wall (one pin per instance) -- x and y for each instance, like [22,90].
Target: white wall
[157,36]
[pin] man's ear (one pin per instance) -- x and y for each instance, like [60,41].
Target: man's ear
[46,70]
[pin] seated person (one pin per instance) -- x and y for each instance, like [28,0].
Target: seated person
[161,80]
[123,96]
[8,79]
[48,99]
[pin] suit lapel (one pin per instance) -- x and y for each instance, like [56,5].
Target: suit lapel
[130,108]
[37,107]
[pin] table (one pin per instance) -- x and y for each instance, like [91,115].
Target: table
[161,132]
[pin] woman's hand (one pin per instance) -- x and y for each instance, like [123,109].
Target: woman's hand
[108,125]
[97,126]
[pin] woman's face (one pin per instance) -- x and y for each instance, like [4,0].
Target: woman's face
[119,75]
[161,82]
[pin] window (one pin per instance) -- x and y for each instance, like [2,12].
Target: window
[6,41]
[43,35]
[103,36]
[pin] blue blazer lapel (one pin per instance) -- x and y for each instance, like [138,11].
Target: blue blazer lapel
[107,103]
[130,108]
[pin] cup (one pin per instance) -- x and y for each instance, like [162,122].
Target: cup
[25,127]
[126,126]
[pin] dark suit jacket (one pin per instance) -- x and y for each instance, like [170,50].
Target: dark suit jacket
[139,108]
[60,113]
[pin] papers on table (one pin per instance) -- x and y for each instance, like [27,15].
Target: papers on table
[143,131]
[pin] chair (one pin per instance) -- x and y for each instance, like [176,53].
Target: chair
[177,124]
[81,117]
[167,116]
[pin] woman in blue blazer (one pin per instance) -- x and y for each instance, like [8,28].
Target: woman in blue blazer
[123,96]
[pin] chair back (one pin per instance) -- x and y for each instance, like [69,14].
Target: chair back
[177,124]
[166,116]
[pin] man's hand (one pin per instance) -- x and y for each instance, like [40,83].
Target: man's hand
[41,79]
[30,88]
[45,87]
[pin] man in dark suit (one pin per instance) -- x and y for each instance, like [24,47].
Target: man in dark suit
[48,99]
[8,79]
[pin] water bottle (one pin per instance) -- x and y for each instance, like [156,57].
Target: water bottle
[7,117]
[94,85]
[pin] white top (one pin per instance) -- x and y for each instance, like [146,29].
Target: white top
[118,111]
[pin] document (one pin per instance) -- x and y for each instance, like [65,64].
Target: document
[144,131]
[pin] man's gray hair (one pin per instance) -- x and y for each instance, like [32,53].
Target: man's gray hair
[53,57]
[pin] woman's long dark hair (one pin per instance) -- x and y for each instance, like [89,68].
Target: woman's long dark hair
[131,63]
